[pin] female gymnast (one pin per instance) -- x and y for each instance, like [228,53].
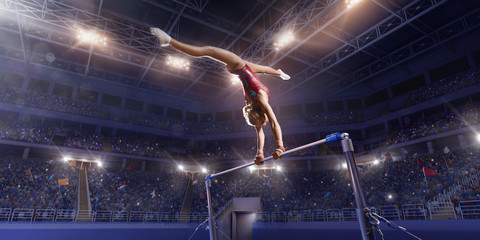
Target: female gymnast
[257,111]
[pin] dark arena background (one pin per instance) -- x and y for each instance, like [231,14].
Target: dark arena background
[105,134]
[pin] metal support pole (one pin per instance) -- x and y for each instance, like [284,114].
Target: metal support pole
[211,217]
[365,226]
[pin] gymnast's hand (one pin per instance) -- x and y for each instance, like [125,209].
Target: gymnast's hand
[259,159]
[277,152]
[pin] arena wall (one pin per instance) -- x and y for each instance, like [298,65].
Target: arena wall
[435,229]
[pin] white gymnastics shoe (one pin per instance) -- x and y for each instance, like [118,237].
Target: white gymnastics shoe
[162,36]
[283,75]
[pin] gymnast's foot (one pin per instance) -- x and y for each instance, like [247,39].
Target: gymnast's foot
[280,149]
[162,36]
[283,75]
[259,159]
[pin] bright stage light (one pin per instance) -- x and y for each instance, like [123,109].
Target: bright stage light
[91,37]
[278,168]
[478,137]
[66,159]
[390,196]
[204,170]
[178,62]
[180,167]
[283,40]
[376,162]
[344,165]
[100,164]
[351,3]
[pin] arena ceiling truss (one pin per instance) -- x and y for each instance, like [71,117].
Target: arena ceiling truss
[326,58]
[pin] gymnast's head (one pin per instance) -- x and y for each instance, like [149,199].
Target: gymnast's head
[254,115]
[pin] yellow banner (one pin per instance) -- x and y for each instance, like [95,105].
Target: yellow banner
[62,182]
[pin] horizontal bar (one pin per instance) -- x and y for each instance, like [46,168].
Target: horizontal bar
[335,137]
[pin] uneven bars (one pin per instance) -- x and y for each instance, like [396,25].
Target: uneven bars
[334,137]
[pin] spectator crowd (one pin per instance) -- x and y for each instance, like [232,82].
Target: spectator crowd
[444,86]
[389,183]
[34,184]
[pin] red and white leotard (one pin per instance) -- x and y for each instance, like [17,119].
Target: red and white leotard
[251,83]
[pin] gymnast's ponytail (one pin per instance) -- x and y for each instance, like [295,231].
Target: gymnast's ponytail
[253,114]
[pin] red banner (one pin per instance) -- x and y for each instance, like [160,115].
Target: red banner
[429,172]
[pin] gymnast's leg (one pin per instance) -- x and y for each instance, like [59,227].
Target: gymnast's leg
[232,61]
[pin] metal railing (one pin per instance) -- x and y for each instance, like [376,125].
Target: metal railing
[5,214]
[278,216]
[442,210]
[304,216]
[319,216]
[120,216]
[470,209]
[292,216]
[390,212]
[167,217]
[198,216]
[182,217]
[22,215]
[102,216]
[44,215]
[152,217]
[349,214]
[414,212]
[137,216]
[333,215]
[65,215]
[262,217]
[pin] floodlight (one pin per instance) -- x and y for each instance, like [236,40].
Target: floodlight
[91,37]
[351,3]
[283,39]
[178,62]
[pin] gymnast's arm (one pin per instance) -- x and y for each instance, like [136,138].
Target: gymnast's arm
[260,144]
[262,69]
[263,100]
